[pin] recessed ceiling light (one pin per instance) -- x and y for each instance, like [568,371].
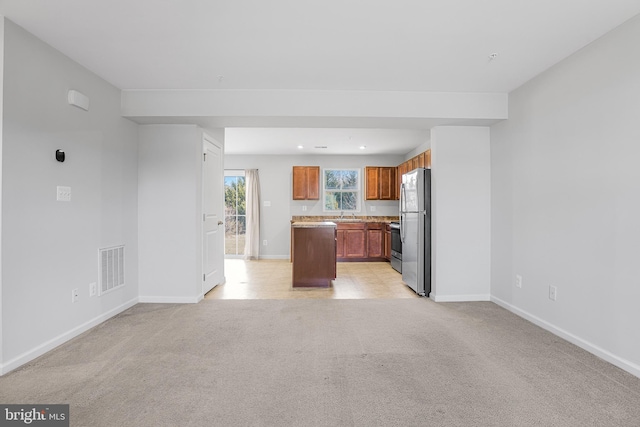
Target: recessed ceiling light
[362,147]
[300,147]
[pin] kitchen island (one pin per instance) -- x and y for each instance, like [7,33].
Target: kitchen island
[313,254]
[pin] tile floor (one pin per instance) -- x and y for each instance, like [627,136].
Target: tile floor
[271,279]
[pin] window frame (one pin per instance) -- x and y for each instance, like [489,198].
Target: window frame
[357,190]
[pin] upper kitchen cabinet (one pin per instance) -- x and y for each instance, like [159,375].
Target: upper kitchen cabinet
[380,183]
[424,159]
[306,182]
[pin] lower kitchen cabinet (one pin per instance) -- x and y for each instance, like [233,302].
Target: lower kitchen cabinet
[351,242]
[375,240]
[313,254]
[360,242]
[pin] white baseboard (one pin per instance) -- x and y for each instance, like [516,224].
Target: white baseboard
[460,298]
[621,363]
[274,256]
[62,338]
[170,300]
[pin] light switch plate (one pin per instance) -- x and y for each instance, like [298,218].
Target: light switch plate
[64,194]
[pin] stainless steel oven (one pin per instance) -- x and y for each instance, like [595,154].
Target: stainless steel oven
[396,247]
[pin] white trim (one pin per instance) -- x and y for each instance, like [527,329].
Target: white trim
[621,363]
[169,300]
[460,298]
[274,257]
[230,256]
[43,348]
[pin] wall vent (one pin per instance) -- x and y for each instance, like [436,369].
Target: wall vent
[111,268]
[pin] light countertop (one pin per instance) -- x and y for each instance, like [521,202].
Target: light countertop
[313,224]
[346,219]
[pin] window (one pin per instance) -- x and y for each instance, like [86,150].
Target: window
[235,218]
[341,189]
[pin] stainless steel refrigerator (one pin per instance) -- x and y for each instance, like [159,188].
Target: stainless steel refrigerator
[415,229]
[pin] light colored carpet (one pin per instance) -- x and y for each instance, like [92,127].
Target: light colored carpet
[401,362]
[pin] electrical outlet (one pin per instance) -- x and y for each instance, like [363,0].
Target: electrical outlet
[372,208]
[518,281]
[553,293]
[93,289]
[264,243]
[74,295]
[304,208]
[63,194]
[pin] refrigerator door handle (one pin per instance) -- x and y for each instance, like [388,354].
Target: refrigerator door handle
[402,212]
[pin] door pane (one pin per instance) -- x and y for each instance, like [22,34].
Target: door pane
[235,211]
[242,233]
[230,232]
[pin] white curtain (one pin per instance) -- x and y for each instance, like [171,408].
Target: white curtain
[252,243]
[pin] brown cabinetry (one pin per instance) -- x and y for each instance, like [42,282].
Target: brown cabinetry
[380,183]
[422,160]
[372,183]
[388,183]
[306,182]
[375,237]
[314,255]
[350,241]
[360,241]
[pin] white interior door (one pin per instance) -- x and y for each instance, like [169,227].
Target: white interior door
[213,215]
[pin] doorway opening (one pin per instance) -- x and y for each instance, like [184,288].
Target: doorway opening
[235,214]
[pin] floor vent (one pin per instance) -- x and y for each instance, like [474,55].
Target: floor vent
[111,268]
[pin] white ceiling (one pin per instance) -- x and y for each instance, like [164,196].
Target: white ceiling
[404,45]
[322,141]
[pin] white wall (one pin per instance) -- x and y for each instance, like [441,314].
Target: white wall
[51,247]
[170,213]
[566,201]
[419,149]
[461,213]
[276,187]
